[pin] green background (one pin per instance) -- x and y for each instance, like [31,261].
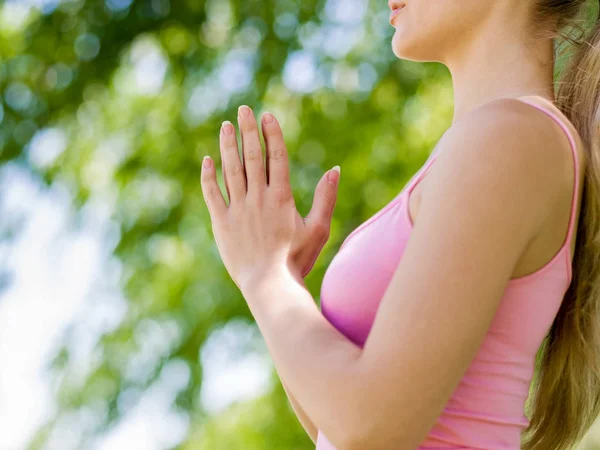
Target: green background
[137,90]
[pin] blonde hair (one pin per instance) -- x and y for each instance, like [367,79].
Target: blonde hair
[565,398]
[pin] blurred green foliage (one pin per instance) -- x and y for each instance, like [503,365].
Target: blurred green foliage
[136,91]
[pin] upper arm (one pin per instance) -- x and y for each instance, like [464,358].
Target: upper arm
[487,195]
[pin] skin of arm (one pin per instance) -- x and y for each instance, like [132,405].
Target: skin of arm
[303,418]
[305,421]
[496,181]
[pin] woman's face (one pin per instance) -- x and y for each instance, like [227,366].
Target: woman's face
[428,30]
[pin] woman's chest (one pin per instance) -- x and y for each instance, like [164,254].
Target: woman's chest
[361,271]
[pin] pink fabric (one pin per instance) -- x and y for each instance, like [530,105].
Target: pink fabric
[486,411]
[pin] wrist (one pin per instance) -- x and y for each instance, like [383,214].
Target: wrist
[275,278]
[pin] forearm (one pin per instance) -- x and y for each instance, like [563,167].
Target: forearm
[319,364]
[303,418]
[305,421]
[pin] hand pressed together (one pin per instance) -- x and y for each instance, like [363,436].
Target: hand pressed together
[261,231]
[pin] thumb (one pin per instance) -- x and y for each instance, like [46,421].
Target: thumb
[325,197]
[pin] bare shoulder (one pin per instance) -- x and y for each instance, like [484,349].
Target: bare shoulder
[513,148]
[512,130]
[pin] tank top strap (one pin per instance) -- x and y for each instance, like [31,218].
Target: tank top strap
[421,172]
[561,122]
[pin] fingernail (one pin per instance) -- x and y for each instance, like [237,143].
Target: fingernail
[206,162]
[227,127]
[268,117]
[244,111]
[334,175]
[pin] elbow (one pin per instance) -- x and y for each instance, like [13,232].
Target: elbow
[372,434]
[350,442]
[371,420]
[361,436]
[374,443]
[357,442]
[371,442]
[350,433]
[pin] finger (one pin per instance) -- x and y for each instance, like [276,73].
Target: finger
[225,180]
[264,133]
[251,150]
[210,189]
[325,198]
[231,162]
[279,170]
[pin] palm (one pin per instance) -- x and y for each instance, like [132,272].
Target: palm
[312,232]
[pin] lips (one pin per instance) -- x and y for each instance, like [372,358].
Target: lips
[396,4]
[396,7]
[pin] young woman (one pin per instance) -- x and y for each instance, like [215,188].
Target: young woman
[434,308]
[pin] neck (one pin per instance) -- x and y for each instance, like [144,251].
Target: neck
[500,64]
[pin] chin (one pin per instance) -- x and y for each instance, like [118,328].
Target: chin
[405,48]
[411,49]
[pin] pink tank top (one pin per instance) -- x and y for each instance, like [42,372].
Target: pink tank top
[486,410]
